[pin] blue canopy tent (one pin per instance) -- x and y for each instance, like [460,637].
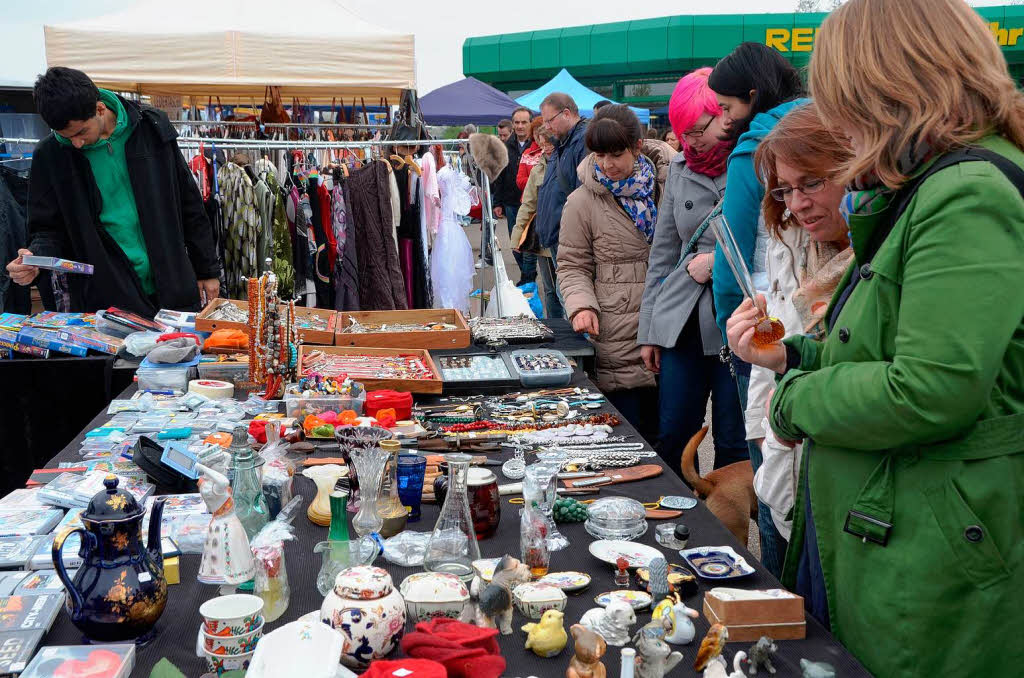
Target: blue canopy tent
[585,98]
[466,101]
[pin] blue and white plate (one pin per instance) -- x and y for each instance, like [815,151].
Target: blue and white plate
[717,562]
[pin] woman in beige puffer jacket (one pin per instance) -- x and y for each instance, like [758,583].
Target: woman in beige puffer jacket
[603,248]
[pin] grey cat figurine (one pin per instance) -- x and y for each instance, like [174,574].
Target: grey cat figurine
[654,658]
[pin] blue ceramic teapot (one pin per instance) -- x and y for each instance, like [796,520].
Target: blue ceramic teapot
[120,590]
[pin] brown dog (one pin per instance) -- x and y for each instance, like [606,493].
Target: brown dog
[728,492]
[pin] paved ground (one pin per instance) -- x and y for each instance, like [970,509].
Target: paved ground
[485,277]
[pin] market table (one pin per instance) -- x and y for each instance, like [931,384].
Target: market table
[178,626]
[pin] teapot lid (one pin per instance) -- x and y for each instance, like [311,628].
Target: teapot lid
[112,503]
[363,582]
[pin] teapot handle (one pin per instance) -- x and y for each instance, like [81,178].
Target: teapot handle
[57,553]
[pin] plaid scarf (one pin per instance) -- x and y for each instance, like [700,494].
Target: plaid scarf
[636,195]
[869,196]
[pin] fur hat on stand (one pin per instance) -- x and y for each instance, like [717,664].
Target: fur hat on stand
[489,154]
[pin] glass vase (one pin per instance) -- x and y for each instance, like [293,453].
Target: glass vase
[370,464]
[247,484]
[453,547]
[533,532]
[540,485]
[389,505]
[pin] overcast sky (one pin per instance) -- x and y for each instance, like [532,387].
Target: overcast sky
[440,26]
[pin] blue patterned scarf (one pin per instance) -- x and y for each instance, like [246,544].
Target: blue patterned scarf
[636,195]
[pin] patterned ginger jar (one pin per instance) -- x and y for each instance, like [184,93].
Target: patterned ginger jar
[433,594]
[367,611]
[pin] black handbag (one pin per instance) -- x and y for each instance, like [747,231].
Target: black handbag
[146,455]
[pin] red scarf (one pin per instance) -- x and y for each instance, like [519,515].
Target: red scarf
[710,163]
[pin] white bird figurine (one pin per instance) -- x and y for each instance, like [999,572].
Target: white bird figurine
[682,631]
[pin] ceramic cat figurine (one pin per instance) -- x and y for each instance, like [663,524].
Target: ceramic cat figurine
[612,622]
[654,658]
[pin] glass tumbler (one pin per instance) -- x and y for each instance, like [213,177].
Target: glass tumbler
[411,469]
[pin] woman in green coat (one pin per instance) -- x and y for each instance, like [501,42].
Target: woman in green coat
[908,536]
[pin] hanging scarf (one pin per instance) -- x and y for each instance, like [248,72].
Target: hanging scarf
[710,163]
[636,195]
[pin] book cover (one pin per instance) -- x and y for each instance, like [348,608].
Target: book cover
[42,558]
[22,498]
[29,613]
[15,552]
[18,522]
[118,660]
[56,320]
[12,321]
[16,650]
[60,490]
[45,338]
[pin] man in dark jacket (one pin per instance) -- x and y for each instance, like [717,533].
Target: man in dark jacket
[562,117]
[506,194]
[110,188]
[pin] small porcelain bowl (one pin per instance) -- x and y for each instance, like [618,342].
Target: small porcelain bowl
[220,663]
[232,615]
[534,599]
[232,645]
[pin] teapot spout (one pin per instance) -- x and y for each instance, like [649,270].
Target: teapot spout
[153,545]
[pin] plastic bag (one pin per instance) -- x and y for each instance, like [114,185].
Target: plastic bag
[141,343]
[271,582]
[278,471]
[406,549]
[536,305]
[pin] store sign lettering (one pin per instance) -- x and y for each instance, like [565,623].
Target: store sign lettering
[802,39]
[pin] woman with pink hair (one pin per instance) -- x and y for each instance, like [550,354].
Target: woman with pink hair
[677,333]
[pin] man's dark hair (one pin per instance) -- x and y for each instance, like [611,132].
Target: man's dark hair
[523,109]
[506,124]
[561,101]
[601,104]
[615,128]
[65,94]
[753,66]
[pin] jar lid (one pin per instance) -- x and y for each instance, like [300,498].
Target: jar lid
[363,582]
[112,503]
[480,476]
[536,592]
[682,532]
[434,587]
[616,511]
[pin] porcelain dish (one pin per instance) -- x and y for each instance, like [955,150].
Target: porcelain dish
[570,581]
[610,550]
[534,599]
[638,600]
[717,562]
[433,594]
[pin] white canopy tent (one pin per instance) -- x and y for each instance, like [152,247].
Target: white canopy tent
[315,51]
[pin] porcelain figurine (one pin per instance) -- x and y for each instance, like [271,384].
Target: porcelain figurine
[119,591]
[227,558]
[433,594]
[547,637]
[494,606]
[711,646]
[367,611]
[654,658]
[760,655]
[737,664]
[590,646]
[716,668]
[811,669]
[612,622]
[657,583]
[682,630]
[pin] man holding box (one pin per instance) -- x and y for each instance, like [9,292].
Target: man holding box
[110,188]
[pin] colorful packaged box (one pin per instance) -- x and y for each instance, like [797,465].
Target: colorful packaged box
[61,660]
[57,264]
[90,338]
[9,340]
[20,522]
[37,336]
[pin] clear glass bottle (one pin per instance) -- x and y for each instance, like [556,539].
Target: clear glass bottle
[533,532]
[247,484]
[453,547]
[543,489]
[370,464]
[389,506]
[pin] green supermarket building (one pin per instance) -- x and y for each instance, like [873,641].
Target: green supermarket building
[639,62]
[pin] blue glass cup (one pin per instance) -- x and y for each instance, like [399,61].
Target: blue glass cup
[411,469]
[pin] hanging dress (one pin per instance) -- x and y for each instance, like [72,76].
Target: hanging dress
[381,286]
[451,262]
[241,225]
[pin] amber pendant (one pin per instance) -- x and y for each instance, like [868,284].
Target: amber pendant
[767,331]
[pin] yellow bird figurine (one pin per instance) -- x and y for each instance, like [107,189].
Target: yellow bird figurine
[547,637]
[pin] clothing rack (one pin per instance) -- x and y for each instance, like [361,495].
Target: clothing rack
[276,125]
[189,142]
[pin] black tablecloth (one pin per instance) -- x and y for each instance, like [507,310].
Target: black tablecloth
[178,626]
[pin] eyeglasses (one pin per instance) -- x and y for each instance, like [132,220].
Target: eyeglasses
[547,121]
[807,188]
[698,133]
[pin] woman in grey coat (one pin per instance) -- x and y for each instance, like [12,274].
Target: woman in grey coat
[677,332]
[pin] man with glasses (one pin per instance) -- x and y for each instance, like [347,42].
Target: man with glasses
[506,193]
[562,117]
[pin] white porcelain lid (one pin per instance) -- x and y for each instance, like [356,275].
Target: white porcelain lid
[363,582]
[480,476]
[534,592]
[433,587]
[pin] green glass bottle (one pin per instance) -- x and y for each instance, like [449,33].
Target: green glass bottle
[339,520]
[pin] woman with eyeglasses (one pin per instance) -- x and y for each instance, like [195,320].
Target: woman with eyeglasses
[808,253]
[677,333]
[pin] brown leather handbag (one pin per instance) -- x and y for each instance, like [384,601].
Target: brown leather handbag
[273,107]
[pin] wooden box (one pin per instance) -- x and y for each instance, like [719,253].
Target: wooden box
[319,337]
[432,385]
[751,614]
[309,336]
[204,324]
[457,338]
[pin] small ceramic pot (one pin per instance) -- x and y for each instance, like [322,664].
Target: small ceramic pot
[233,645]
[367,611]
[220,663]
[534,599]
[433,594]
[232,615]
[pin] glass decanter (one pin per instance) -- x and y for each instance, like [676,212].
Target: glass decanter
[389,506]
[247,484]
[453,547]
[533,544]
[768,330]
[541,485]
[370,464]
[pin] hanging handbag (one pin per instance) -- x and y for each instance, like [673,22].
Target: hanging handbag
[273,107]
